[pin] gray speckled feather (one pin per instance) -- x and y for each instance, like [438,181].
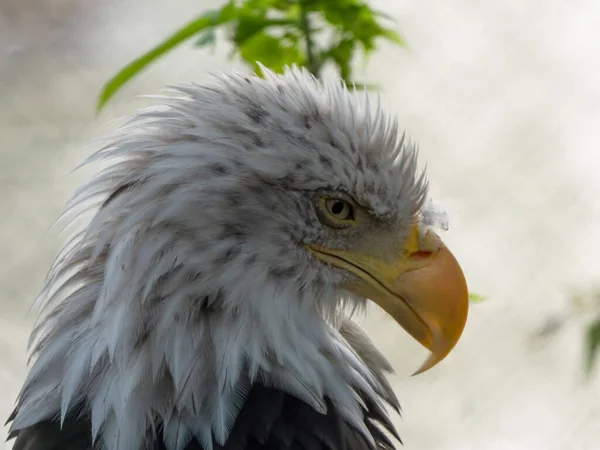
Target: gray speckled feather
[189,290]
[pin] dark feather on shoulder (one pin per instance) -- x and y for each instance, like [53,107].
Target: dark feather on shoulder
[75,434]
[269,420]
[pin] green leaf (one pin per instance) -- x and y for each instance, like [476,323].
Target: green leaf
[341,16]
[206,38]
[293,11]
[227,12]
[476,298]
[261,5]
[248,26]
[592,344]
[393,36]
[209,19]
[274,53]
[341,54]
[384,15]
[357,28]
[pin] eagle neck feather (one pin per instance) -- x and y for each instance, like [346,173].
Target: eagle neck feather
[181,361]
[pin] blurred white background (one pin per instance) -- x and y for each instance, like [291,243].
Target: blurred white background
[504,99]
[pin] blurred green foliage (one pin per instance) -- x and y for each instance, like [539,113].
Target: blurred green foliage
[592,343]
[476,298]
[308,33]
[585,304]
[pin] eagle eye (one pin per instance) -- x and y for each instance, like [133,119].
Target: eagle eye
[336,212]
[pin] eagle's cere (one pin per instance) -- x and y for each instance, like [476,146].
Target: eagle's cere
[205,304]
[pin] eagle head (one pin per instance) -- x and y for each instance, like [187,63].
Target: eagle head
[231,230]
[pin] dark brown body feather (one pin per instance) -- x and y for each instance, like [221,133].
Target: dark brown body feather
[269,420]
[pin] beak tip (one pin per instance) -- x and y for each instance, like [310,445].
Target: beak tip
[431,362]
[418,372]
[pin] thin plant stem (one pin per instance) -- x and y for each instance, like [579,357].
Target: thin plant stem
[311,62]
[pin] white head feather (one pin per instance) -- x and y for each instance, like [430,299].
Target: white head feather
[191,282]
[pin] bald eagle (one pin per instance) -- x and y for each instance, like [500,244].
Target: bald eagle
[206,303]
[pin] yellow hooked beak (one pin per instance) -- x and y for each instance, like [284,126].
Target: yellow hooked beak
[423,288]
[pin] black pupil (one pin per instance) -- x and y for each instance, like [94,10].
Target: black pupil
[337,208]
